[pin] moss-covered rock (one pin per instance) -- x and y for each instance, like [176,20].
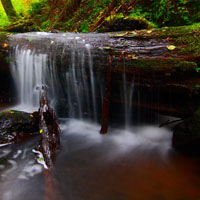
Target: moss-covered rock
[159,67]
[16,126]
[185,38]
[121,23]
[163,65]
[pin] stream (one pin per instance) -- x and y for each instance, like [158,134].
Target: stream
[133,161]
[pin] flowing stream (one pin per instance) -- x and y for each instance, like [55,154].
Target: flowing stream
[130,162]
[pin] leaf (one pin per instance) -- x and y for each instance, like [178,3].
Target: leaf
[197,69]
[149,31]
[107,48]
[132,56]
[30,39]
[41,159]
[5,45]
[171,47]
[31,115]
[120,35]
[133,32]
[41,131]
[12,112]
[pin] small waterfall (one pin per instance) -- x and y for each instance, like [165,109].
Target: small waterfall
[72,68]
[66,67]
[28,70]
[126,97]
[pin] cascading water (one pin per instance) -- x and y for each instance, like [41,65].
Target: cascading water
[72,66]
[127,97]
[66,67]
[65,64]
[28,70]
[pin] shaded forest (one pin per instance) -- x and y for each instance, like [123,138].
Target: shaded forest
[101,16]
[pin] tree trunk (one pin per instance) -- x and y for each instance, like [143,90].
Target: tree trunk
[70,7]
[75,4]
[9,10]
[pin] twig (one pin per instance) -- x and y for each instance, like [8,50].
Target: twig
[170,122]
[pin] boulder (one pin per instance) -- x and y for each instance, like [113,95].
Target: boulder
[16,126]
[127,24]
[186,135]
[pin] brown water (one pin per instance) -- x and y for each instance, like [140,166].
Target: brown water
[134,164]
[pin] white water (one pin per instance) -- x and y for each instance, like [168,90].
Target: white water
[121,141]
[28,71]
[68,83]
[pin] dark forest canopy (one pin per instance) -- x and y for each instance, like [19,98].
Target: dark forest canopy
[94,15]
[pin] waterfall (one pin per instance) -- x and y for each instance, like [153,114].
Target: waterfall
[126,97]
[28,69]
[67,69]
[72,68]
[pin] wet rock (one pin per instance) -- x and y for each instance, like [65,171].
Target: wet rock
[7,92]
[54,31]
[16,126]
[186,136]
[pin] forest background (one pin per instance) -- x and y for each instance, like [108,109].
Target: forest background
[95,15]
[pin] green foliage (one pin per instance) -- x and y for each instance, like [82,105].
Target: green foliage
[36,7]
[114,17]
[21,7]
[197,69]
[84,27]
[194,9]
[165,12]
[44,13]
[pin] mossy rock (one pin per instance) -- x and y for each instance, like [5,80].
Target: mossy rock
[185,38]
[159,66]
[121,23]
[16,126]
[165,65]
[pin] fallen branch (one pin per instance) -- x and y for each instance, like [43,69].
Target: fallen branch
[170,122]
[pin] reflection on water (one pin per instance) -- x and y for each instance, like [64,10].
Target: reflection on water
[124,165]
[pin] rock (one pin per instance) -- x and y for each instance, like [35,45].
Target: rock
[186,135]
[54,31]
[16,126]
[123,24]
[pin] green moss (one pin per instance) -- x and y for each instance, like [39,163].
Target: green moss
[15,114]
[141,19]
[3,35]
[114,17]
[185,38]
[163,65]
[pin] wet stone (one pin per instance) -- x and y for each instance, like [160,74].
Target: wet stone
[16,126]
[127,25]
[186,135]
